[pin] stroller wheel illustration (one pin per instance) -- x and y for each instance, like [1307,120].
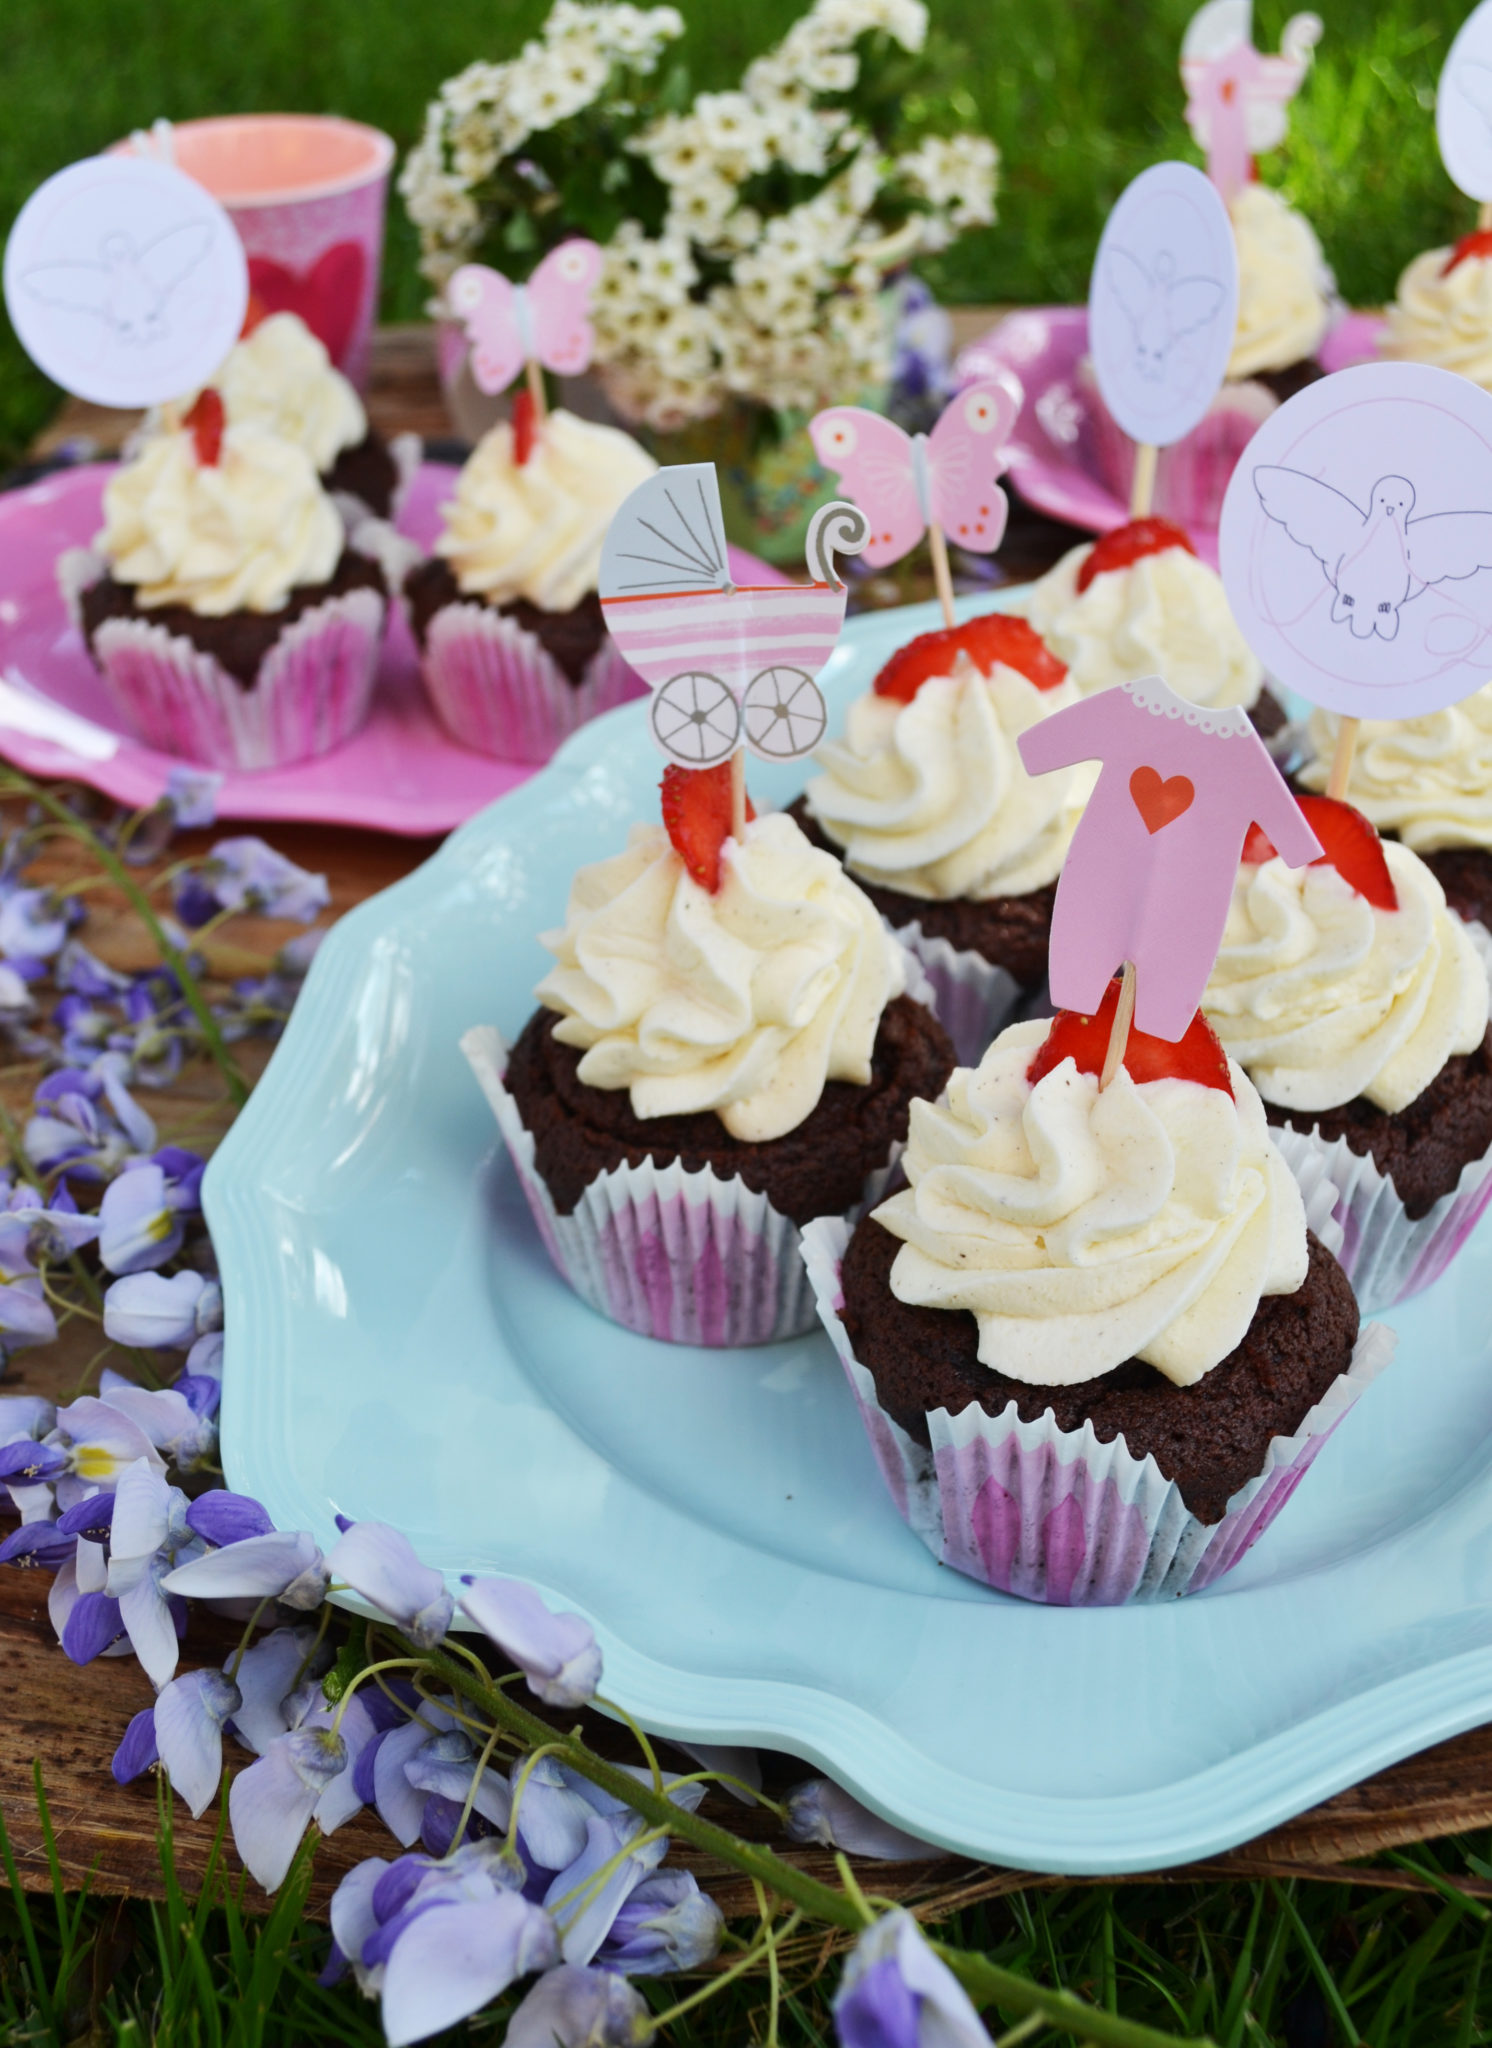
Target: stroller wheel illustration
[785,714]
[696,719]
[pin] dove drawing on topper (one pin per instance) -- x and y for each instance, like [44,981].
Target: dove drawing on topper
[1235,96]
[728,664]
[546,321]
[1463,106]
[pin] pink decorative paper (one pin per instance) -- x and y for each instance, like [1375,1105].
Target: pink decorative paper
[1236,98]
[1151,869]
[546,321]
[496,688]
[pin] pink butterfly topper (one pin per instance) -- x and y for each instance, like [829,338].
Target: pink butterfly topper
[546,320]
[905,483]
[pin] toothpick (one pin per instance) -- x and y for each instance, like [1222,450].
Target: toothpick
[938,548]
[1113,1059]
[738,795]
[1142,490]
[1484,216]
[1341,760]
[536,389]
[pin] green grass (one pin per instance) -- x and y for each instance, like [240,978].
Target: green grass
[1079,97]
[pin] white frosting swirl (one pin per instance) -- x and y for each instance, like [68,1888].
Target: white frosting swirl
[1445,320]
[534,530]
[239,534]
[744,1002]
[1082,1229]
[1428,780]
[1165,614]
[280,377]
[1285,288]
[1324,998]
[932,797]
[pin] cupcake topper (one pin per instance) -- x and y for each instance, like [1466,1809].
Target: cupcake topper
[1236,98]
[1463,110]
[938,484]
[1162,306]
[125,281]
[542,325]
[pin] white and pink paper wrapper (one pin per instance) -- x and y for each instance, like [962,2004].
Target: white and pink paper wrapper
[687,1257]
[970,996]
[497,689]
[1055,1515]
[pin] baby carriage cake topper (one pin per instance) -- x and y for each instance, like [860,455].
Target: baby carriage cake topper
[728,664]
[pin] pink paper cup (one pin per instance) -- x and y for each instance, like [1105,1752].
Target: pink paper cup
[496,689]
[970,996]
[307,193]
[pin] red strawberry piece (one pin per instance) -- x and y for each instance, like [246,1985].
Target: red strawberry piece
[1477,243]
[525,425]
[1197,1056]
[205,423]
[997,637]
[1127,544]
[696,813]
[1352,845]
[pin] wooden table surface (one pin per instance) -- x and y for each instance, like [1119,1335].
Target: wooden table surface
[69,1718]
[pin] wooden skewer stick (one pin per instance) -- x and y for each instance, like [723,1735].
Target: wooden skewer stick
[1484,216]
[942,577]
[1341,760]
[1142,488]
[738,795]
[536,389]
[1119,1031]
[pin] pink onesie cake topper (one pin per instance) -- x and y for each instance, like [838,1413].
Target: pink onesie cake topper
[1236,97]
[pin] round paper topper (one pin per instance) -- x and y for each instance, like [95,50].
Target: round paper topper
[125,281]
[1163,303]
[1463,105]
[1356,541]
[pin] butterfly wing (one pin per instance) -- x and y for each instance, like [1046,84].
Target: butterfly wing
[966,451]
[484,302]
[872,459]
[559,304]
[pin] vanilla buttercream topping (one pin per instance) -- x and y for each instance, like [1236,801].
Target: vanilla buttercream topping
[534,530]
[1427,780]
[1285,288]
[1165,614]
[1323,997]
[281,377]
[931,797]
[1443,318]
[239,534]
[1083,1228]
[745,1001]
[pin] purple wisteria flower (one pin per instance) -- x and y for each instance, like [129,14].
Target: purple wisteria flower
[557,1653]
[139,1226]
[187,1727]
[284,1565]
[87,1121]
[379,1563]
[268,1672]
[895,1993]
[818,1811]
[192,797]
[271,1803]
[34,923]
[665,1923]
[152,1311]
[245,874]
[578,2008]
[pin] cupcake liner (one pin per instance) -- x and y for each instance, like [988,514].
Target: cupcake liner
[970,996]
[1387,1255]
[496,689]
[687,1257]
[1054,1515]
[1192,474]
[311,693]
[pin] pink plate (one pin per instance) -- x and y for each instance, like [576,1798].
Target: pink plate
[401,773]
[1053,458]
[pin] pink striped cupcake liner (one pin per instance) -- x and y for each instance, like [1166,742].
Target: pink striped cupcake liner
[1191,476]
[311,693]
[1054,1515]
[970,996]
[686,1257]
[496,689]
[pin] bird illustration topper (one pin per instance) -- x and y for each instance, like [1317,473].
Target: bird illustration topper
[728,664]
[545,321]
[1356,541]
[125,281]
[1163,303]
[1463,106]
[1235,96]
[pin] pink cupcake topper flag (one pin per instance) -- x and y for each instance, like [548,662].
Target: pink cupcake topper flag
[940,484]
[1235,97]
[125,281]
[728,664]
[1162,306]
[542,325]
[1463,110]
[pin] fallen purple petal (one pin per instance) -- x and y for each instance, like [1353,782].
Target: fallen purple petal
[271,1803]
[557,1653]
[818,1811]
[259,1567]
[189,1717]
[222,1517]
[380,1563]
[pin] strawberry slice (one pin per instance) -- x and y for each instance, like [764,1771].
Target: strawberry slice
[1128,544]
[205,423]
[997,637]
[1352,845]
[1477,243]
[525,425]
[1197,1056]
[696,813]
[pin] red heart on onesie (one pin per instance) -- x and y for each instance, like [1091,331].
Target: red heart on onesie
[326,296]
[1159,802]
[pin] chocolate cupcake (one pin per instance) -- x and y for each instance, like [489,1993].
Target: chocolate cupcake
[725,1048]
[515,653]
[1101,1335]
[927,802]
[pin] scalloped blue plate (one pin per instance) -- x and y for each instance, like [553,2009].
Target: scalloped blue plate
[400,1347]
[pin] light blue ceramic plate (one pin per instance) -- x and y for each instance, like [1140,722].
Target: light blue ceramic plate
[400,1347]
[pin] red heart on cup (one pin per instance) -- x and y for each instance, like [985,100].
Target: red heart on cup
[1159,802]
[327,296]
